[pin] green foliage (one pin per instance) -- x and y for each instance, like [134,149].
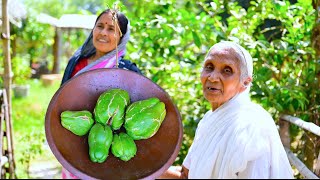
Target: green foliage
[28,113]
[33,146]
[169,40]
[21,70]
[33,41]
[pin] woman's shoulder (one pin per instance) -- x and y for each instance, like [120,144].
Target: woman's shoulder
[255,112]
[257,122]
[127,64]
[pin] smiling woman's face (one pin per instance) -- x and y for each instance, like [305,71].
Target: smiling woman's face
[105,34]
[220,76]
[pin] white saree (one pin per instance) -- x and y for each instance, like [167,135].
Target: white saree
[237,140]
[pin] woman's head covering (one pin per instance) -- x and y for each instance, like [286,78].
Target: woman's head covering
[239,133]
[109,59]
[88,49]
[245,59]
[121,18]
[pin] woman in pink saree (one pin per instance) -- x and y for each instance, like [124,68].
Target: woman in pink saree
[104,48]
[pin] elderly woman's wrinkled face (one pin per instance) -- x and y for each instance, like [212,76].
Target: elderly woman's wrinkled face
[220,76]
[106,35]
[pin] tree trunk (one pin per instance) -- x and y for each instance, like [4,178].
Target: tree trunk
[309,150]
[285,132]
[57,51]
[315,41]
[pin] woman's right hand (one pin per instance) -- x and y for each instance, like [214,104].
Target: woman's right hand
[175,172]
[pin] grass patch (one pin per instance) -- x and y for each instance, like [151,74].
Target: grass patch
[28,113]
[28,118]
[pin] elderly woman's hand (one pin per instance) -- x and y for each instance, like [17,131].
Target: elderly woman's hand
[175,172]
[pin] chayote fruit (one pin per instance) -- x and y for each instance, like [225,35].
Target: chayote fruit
[123,147]
[143,118]
[78,122]
[110,108]
[100,139]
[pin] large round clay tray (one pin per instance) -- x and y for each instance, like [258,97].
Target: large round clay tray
[154,155]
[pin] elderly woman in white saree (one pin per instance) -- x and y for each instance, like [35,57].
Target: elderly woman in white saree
[236,138]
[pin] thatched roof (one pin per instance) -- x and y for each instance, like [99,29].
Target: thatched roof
[69,21]
[16,12]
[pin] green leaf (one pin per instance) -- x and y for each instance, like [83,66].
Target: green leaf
[196,39]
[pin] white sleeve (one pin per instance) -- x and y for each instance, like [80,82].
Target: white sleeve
[187,161]
[199,134]
[257,169]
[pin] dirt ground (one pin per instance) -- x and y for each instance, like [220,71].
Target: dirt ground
[46,168]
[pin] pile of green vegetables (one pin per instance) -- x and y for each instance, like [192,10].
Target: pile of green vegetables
[140,119]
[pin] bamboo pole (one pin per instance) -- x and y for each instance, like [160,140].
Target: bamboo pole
[317,168]
[303,124]
[304,171]
[311,127]
[6,52]
[9,139]
[7,77]
[1,134]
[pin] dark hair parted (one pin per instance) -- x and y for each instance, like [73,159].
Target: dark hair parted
[122,19]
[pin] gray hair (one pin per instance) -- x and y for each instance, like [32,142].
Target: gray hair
[245,59]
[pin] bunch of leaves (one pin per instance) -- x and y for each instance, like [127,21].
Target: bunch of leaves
[170,39]
[168,44]
[21,70]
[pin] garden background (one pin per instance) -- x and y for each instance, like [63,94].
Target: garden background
[169,39]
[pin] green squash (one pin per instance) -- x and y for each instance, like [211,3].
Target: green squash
[111,106]
[144,118]
[100,139]
[123,147]
[78,122]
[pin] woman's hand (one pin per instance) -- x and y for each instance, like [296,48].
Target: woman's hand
[175,172]
[184,173]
